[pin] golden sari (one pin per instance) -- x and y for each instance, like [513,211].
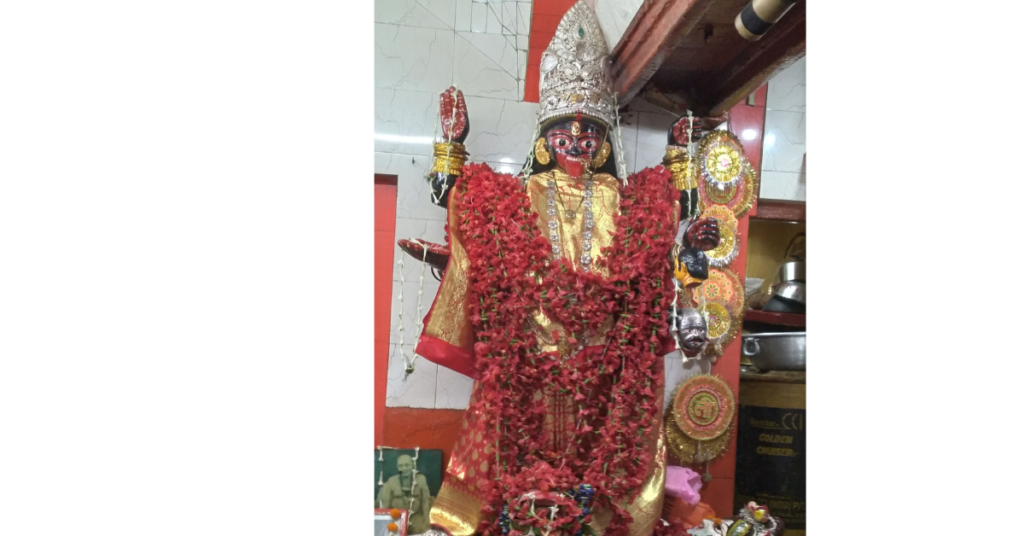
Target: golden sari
[448,339]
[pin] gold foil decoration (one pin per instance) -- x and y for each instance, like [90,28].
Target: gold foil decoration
[449,158]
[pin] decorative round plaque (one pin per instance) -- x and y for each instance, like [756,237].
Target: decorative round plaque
[704,407]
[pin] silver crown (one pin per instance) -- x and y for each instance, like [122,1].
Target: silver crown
[574,70]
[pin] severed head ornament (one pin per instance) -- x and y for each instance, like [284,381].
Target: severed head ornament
[693,332]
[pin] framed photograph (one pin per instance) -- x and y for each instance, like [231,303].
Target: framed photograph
[408,479]
[382,518]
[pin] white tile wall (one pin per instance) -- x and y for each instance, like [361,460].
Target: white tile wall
[404,121]
[409,13]
[652,137]
[477,73]
[676,372]
[412,58]
[783,160]
[423,47]
[419,389]
[614,17]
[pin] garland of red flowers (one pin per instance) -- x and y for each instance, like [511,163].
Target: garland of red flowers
[613,387]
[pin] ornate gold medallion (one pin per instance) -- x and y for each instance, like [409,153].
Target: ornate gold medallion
[729,245]
[748,191]
[689,450]
[699,419]
[704,406]
[720,194]
[718,319]
[721,160]
[723,164]
[723,285]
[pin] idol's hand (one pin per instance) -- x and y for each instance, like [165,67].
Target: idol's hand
[703,234]
[454,117]
[677,134]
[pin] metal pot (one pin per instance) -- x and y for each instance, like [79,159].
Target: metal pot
[776,351]
[792,271]
[792,291]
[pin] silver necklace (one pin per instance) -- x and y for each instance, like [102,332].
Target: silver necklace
[588,221]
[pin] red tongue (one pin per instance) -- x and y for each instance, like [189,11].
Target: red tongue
[574,169]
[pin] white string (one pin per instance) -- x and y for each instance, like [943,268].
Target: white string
[690,148]
[401,309]
[620,157]
[675,315]
[523,173]
[410,364]
[412,489]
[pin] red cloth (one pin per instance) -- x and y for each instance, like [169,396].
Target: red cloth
[690,515]
[447,355]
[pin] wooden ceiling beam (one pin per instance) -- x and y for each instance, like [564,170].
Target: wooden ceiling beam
[648,57]
[654,32]
[782,45]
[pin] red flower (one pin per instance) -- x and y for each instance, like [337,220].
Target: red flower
[509,254]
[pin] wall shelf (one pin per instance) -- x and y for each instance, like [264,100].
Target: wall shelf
[777,319]
[780,210]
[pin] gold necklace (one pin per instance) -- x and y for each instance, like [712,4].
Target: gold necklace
[570,213]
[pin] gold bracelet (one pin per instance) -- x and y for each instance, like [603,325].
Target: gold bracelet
[449,158]
[679,163]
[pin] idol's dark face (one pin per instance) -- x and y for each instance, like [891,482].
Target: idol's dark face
[576,143]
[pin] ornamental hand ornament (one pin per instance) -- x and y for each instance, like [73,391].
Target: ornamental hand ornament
[703,234]
[454,117]
[449,154]
[677,135]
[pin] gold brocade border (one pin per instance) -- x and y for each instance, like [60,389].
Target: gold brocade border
[458,511]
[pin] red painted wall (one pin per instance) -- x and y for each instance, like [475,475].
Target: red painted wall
[424,428]
[719,492]
[544,20]
[385,199]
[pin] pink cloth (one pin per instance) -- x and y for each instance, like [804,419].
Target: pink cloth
[683,483]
